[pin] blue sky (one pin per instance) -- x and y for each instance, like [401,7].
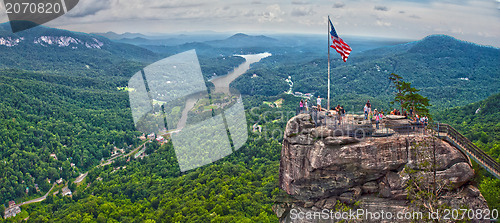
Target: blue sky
[471,20]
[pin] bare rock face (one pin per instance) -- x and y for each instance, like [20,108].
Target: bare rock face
[320,167]
[397,123]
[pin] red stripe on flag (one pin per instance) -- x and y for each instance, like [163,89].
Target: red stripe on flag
[341,47]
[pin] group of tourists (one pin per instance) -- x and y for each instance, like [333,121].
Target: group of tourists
[340,113]
[404,113]
[414,117]
[368,113]
[367,109]
[339,110]
[418,120]
[303,106]
[396,112]
[376,114]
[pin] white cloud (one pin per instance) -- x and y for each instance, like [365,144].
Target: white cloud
[381,8]
[338,5]
[300,3]
[89,7]
[302,11]
[382,23]
[273,13]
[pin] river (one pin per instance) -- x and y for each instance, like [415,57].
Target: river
[222,83]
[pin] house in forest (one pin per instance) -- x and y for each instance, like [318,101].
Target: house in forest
[53,155]
[160,139]
[12,211]
[142,137]
[66,192]
[152,136]
[117,151]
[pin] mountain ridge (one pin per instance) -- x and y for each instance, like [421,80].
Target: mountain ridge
[115,36]
[399,48]
[42,48]
[66,38]
[241,40]
[448,71]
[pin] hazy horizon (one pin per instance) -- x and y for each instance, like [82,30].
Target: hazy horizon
[474,21]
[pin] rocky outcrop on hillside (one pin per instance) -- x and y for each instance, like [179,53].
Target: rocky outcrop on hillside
[321,168]
[60,41]
[66,41]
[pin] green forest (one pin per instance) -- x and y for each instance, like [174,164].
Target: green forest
[72,108]
[238,188]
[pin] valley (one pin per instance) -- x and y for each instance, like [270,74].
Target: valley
[56,99]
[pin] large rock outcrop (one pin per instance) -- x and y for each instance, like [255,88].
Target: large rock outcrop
[320,168]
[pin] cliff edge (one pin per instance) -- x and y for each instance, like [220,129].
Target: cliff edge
[322,167]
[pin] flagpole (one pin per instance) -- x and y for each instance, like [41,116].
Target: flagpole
[328,100]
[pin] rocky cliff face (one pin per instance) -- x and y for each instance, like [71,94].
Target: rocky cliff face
[321,167]
[60,41]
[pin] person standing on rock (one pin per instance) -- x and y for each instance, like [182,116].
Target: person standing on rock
[337,110]
[366,111]
[378,116]
[318,101]
[301,106]
[306,105]
[342,113]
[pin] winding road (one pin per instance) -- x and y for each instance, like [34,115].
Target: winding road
[77,180]
[42,198]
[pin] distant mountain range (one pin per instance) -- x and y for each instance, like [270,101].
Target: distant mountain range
[64,39]
[163,39]
[47,49]
[116,36]
[448,71]
[74,53]
[241,40]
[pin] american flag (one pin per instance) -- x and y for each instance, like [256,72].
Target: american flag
[338,44]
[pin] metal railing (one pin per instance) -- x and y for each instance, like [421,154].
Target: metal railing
[474,152]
